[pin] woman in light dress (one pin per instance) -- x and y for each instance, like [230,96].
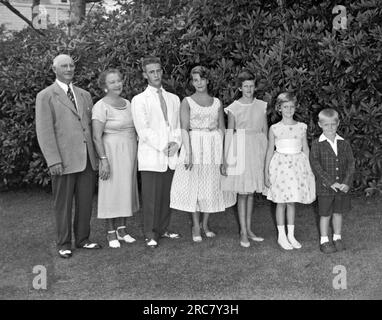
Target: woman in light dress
[196,186]
[115,140]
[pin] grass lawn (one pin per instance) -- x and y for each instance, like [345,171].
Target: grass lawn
[180,269]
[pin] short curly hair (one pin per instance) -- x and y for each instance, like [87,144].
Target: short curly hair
[102,77]
[285,97]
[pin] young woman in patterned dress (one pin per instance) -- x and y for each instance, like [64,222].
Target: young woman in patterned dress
[196,186]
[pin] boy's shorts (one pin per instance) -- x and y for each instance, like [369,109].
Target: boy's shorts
[339,203]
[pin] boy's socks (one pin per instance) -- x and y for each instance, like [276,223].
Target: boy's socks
[324,239]
[336,237]
[295,244]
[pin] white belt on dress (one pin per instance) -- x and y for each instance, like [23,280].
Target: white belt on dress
[203,129]
[287,151]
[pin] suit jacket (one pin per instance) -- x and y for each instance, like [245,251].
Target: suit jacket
[329,167]
[153,133]
[64,135]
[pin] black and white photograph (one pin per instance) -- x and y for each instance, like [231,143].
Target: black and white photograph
[190,156]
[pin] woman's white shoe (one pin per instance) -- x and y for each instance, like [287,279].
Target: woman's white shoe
[127,238]
[113,243]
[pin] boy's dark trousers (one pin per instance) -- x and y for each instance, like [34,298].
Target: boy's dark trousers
[156,188]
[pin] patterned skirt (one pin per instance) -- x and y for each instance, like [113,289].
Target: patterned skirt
[291,179]
[199,189]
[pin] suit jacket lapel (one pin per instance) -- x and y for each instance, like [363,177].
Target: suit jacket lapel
[169,110]
[80,101]
[156,108]
[329,147]
[63,98]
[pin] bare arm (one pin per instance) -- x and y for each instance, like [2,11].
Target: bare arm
[265,121]
[223,166]
[270,152]
[229,134]
[185,127]
[305,147]
[98,128]
[221,127]
[265,127]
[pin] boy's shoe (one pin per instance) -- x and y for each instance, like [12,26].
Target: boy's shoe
[151,243]
[339,245]
[65,254]
[170,235]
[327,247]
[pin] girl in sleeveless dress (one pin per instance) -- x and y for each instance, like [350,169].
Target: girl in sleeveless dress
[287,170]
[245,149]
[196,186]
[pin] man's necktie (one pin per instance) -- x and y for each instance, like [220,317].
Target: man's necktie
[163,105]
[71,97]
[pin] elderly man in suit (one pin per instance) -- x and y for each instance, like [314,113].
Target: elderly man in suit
[63,118]
[156,118]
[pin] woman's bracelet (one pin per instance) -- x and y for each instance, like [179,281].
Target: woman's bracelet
[103,157]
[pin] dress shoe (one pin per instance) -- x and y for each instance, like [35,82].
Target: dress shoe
[65,254]
[196,238]
[209,234]
[127,238]
[255,238]
[91,246]
[245,244]
[112,239]
[171,235]
[327,247]
[151,243]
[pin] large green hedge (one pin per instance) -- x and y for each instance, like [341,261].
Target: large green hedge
[288,47]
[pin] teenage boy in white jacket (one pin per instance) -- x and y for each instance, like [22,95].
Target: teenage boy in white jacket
[156,118]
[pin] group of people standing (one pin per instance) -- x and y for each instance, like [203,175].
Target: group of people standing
[188,160]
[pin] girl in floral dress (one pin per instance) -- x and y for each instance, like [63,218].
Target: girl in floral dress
[287,170]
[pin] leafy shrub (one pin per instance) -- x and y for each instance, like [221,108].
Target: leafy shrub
[288,47]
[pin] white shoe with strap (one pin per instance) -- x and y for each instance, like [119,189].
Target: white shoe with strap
[127,238]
